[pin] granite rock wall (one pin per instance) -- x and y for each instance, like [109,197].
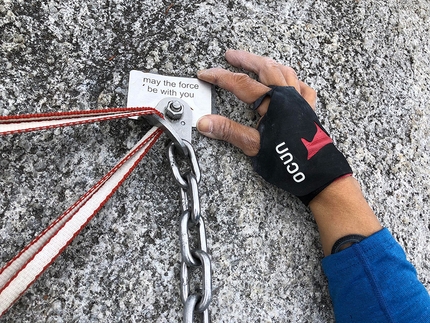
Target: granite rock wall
[369,60]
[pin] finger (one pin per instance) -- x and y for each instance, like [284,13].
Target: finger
[309,94]
[291,77]
[264,106]
[241,85]
[267,69]
[219,127]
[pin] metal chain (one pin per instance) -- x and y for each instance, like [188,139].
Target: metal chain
[193,252]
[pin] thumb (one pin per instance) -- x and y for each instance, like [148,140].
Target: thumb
[219,127]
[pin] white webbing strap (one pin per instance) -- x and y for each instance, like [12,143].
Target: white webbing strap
[19,273]
[43,121]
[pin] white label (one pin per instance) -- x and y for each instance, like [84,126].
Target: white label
[146,90]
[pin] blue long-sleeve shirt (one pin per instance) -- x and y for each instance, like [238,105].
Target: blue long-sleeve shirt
[372,281]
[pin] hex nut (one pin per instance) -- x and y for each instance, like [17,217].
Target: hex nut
[174,110]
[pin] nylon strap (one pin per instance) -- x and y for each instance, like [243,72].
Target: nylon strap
[20,272]
[43,121]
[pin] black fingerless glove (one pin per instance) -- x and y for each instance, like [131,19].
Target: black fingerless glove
[296,152]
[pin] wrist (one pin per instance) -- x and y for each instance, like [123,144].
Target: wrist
[341,210]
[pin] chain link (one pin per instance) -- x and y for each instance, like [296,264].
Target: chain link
[192,237]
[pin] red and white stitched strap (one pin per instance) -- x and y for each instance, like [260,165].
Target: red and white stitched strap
[19,273]
[43,121]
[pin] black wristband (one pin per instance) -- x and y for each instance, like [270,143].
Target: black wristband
[349,239]
[296,153]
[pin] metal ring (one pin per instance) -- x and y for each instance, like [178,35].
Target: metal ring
[206,281]
[187,257]
[189,306]
[185,283]
[195,169]
[175,169]
[206,317]
[184,199]
[194,162]
[193,191]
[202,233]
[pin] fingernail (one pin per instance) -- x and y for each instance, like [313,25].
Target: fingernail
[205,125]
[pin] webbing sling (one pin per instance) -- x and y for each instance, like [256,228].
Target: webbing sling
[20,272]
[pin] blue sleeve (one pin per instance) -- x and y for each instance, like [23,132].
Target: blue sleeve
[372,281]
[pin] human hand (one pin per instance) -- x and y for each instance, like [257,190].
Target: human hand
[335,199]
[291,149]
[248,90]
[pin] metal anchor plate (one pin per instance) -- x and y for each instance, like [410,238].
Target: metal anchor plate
[177,123]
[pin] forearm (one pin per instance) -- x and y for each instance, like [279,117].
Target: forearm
[340,210]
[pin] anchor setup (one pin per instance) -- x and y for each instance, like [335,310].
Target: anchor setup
[172,116]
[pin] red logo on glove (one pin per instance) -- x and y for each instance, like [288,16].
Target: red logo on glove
[320,140]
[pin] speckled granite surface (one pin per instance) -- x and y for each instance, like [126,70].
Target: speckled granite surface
[369,61]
